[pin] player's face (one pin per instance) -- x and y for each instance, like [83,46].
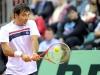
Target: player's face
[22,18]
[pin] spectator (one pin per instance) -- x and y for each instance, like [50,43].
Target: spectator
[79,4]
[59,12]
[76,36]
[40,23]
[49,40]
[97,30]
[88,17]
[91,7]
[98,6]
[33,6]
[44,9]
[59,15]
[95,43]
[90,10]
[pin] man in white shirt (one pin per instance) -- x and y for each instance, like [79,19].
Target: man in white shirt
[19,41]
[48,41]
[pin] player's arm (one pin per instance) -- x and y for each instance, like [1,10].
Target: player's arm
[35,47]
[34,33]
[7,50]
[35,44]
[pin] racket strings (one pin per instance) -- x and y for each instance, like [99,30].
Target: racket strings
[66,54]
[60,55]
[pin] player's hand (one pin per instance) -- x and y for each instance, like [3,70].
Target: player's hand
[26,57]
[35,57]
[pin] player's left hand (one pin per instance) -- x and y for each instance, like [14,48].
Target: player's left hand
[35,57]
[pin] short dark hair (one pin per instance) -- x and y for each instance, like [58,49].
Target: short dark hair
[49,29]
[20,8]
[71,7]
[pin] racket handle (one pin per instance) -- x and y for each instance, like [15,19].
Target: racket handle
[41,55]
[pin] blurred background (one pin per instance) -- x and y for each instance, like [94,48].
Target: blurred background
[80,30]
[74,22]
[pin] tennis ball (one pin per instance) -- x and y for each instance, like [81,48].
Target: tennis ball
[56,49]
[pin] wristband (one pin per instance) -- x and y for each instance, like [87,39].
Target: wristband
[17,53]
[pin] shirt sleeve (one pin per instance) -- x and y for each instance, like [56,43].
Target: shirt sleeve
[33,28]
[4,36]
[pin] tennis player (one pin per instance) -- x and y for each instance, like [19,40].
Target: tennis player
[19,41]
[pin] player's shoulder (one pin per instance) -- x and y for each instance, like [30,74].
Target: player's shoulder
[31,21]
[6,26]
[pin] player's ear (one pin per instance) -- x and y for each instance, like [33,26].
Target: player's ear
[15,15]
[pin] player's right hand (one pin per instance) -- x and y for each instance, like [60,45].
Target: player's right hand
[35,57]
[26,57]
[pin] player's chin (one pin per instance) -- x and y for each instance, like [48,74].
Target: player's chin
[25,22]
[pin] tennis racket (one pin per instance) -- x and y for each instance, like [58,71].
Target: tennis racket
[58,53]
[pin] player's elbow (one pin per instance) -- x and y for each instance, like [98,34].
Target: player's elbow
[6,50]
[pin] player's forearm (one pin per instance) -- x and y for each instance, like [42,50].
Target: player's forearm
[7,50]
[35,44]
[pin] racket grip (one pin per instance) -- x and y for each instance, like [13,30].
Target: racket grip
[42,54]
